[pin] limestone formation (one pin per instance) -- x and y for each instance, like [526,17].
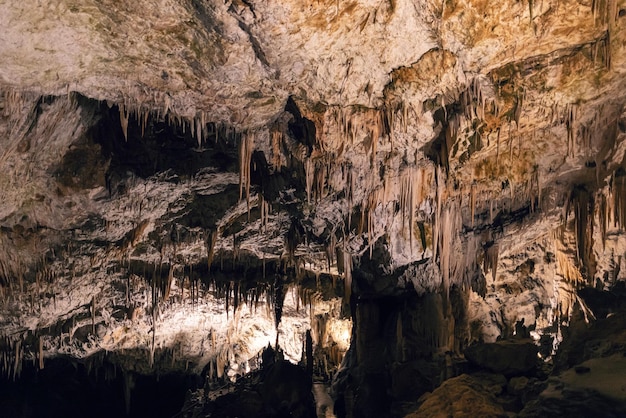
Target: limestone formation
[187,181]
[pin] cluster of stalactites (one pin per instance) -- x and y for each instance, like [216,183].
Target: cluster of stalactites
[581,203]
[476,100]
[327,350]
[222,357]
[358,124]
[20,110]
[344,127]
[14,284]
[15,103]
[601,50]
[490,259]
[605,12]
[197,126]
[569,271]
[276,158]
[611,208]
[449,227]
[412,194]
[12,357]
[618,201]
[14,350]
[583,137]
[457,254]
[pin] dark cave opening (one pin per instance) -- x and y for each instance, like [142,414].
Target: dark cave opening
[159,144]
[65,388]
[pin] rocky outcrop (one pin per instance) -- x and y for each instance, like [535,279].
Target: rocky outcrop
[464,396]
[504,357]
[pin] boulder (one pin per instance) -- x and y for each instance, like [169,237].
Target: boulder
[506,357]
[462,396]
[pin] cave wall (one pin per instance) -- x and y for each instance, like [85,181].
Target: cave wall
[193,180]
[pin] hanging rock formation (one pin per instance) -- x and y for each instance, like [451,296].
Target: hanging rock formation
[185,182]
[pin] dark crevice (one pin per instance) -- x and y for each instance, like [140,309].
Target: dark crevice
[301,128]
[67,388]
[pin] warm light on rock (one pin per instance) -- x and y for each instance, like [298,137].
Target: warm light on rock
[258,201]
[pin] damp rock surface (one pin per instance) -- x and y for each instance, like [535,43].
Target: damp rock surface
[505,357]
[374,186]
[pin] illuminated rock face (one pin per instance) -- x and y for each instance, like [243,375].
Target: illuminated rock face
[184,183]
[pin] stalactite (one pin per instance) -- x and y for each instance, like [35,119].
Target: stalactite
[264,207]
[19,354]
[124,120]
[517,109]
[472,202]
[490,259]
[411,196]
[604,12]
[246,147]
[14,103]
[606,47]
[618,201]
[533,189]
[349,191]
[211,240]
[279,298]
[568,270]
[154,322]
[440,190]
[570,124]
[12,350]
[582,204]
[377,129]
[93,315]
[347,274]
[40,354]
[143,118]
[309,171]
[168,284]
[511,139]
[276,138]
[330,250]
[448,230]
[603,216]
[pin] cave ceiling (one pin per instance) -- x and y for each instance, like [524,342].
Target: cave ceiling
[171,169]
